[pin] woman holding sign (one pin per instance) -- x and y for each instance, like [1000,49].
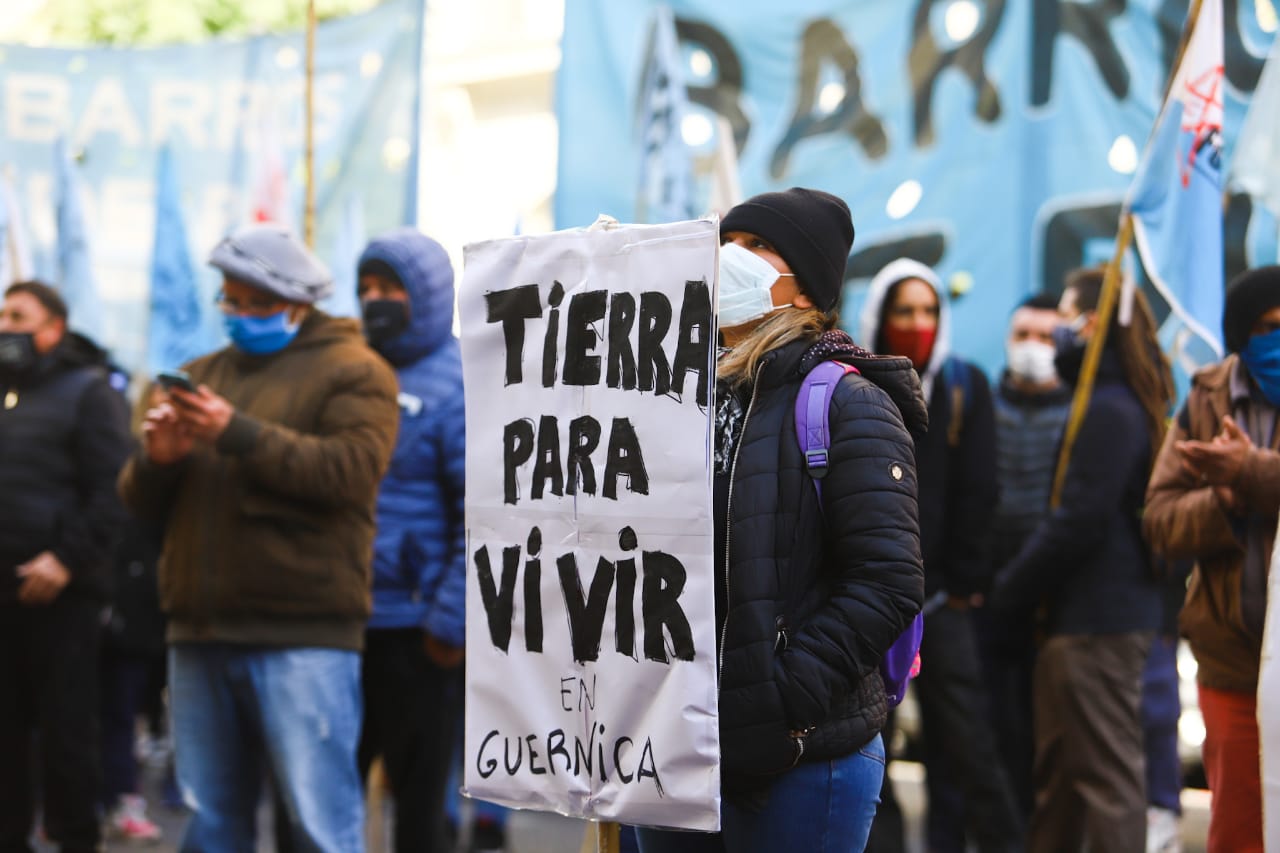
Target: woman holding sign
[819,561]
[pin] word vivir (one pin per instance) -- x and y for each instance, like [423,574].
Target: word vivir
[584,758]
[642,366]
[662,578]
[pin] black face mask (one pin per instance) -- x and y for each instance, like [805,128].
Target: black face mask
[17,353]
[384,320]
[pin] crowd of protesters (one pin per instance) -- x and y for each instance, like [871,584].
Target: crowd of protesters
[277,541]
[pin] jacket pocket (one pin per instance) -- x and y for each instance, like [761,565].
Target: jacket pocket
[285,553]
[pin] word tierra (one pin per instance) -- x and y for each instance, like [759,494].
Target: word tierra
[642,367]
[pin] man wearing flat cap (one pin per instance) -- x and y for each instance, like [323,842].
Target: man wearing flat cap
[1213,497]
[265,478]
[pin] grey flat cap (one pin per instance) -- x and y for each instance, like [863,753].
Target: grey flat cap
[267,256]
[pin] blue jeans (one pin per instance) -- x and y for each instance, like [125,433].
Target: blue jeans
[1161,707]
[822,807]
[298,711]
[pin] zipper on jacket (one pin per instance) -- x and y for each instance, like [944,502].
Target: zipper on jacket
[782,640]
[728,522]
[798,736]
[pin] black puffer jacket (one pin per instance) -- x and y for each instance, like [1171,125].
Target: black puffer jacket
[841,581]
[64,433]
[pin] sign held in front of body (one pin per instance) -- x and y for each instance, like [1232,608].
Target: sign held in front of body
[591,652]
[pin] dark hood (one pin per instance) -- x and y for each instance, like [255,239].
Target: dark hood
[75,350]
[892,373]
[423,267]
[1070,361]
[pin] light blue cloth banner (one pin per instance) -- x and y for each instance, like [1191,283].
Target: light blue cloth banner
[176,331]
[220,105]
[76,278]
[993,140]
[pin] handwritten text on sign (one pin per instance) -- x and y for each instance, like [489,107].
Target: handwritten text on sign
[590,620]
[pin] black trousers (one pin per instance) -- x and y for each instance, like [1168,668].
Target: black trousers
[48,683]
[959,743]
[411,712]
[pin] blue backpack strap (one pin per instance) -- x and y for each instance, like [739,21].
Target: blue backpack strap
[959,384]
[813,408]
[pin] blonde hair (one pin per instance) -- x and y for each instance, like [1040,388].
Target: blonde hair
[740,365]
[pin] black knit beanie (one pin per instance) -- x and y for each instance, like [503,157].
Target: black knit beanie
[811,230]
[1249,295]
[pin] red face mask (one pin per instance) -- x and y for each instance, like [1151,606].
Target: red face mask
[915,344]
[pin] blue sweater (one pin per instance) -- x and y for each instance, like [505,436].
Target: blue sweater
[419,553]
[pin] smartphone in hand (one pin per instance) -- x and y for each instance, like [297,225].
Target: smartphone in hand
[169,379]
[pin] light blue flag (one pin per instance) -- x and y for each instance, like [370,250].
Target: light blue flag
[1176,198]
[76,279]
[348,243]
[1255,168]
[175,332]
[666,165]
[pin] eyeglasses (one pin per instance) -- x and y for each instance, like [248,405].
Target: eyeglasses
[258,307]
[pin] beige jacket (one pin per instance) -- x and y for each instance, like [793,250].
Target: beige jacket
[1183,519]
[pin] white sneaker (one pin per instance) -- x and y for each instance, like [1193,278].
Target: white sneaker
[1163,831]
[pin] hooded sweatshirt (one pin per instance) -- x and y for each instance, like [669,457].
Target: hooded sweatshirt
[956,460]
[419,564]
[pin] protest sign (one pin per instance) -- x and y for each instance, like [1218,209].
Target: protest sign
[591,654]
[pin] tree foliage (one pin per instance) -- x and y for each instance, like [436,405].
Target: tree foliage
[166,21]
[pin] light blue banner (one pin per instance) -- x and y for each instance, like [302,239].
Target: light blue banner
[993,140]
[222,106]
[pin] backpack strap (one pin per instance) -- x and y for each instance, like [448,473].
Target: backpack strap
[812,410]
[955,374]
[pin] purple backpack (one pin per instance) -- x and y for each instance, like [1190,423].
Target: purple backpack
[813,405]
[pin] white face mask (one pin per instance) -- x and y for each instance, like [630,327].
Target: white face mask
[1032,361]
[745,282]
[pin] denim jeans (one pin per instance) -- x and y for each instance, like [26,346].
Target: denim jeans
[822,807]
[296,710]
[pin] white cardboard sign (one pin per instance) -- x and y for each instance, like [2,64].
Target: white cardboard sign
[591,653]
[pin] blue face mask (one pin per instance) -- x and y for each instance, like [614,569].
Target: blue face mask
[1262,356]
[260,335]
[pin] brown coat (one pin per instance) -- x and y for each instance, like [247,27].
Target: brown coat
[1183,519]
[269,536]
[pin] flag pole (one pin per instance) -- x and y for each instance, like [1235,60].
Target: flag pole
[1108,297]
[309,208]
[602,837]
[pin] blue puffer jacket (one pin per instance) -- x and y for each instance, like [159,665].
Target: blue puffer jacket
[419,554]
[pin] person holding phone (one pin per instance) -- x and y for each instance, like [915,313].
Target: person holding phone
[265,474]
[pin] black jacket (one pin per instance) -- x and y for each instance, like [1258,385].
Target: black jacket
[816,595]
[957,462]
[1087,560]
[64,433]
